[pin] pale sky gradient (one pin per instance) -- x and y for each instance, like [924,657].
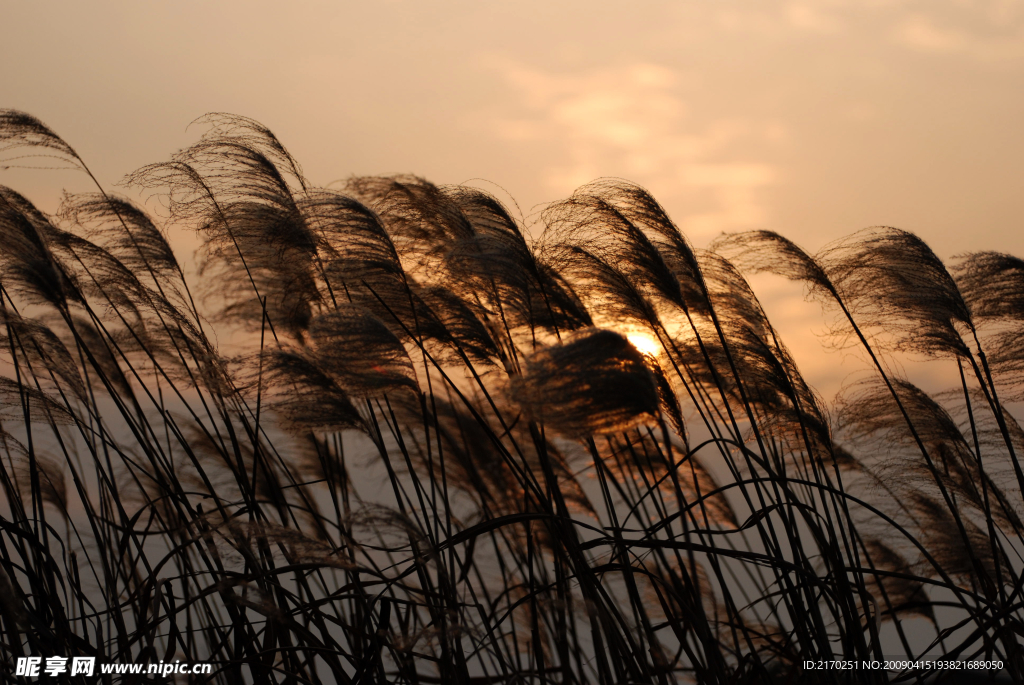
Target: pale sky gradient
[814,119]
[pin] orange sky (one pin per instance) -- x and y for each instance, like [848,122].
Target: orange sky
[811,118]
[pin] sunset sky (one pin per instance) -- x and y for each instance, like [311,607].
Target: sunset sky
[814,119]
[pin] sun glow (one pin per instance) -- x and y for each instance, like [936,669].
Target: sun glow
[644,343]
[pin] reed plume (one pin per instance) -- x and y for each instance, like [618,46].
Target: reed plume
[393,434]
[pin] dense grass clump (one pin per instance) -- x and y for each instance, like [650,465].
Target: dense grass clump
[382,435]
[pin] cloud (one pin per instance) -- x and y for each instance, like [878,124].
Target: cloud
[995,36]
[808,16]
[824,17]
[921,33]
[989,32]
[633,121]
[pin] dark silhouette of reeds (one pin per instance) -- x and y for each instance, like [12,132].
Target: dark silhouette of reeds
[389,437]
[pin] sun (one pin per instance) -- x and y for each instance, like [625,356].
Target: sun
[644,343]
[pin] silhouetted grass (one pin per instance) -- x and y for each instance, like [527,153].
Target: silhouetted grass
[424,450]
